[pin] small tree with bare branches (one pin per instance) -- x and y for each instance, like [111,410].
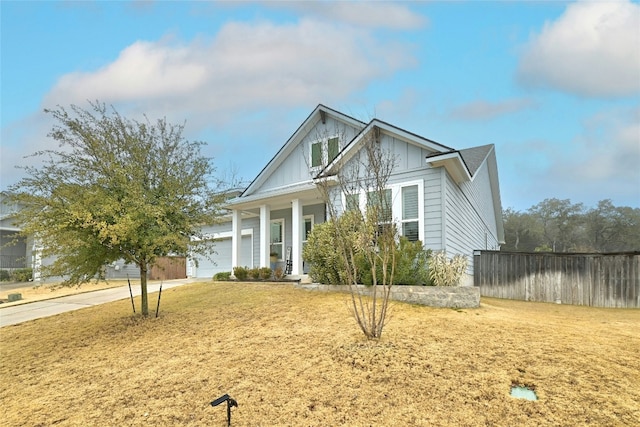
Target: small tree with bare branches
[360,221]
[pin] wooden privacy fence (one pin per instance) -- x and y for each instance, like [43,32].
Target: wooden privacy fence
[169,268]
[597,280]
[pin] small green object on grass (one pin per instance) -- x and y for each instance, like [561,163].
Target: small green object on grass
[15,297]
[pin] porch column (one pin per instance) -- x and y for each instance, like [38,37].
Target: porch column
[236,238]
[37,261]
[296,236]
[265,235]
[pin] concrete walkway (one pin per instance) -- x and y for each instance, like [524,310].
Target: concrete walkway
[38,309]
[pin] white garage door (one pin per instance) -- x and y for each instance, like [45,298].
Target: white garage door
[221,260]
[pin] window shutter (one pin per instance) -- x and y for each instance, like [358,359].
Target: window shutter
[333,148]
[316,154]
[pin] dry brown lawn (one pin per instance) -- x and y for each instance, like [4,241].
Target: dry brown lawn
[295,357]
[31,292]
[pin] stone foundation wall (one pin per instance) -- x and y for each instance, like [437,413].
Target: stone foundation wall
[432,296]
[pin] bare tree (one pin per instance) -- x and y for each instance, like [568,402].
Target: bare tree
[358,202]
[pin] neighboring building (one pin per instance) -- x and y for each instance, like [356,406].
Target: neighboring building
[23,252]
[15,253]
[448,199]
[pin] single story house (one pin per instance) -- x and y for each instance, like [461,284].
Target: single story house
[448,199]
[14,253]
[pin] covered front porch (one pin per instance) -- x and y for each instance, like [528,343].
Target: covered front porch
[285,218]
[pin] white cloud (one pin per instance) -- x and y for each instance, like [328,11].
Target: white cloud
[143,70]
[364,14]
[260,71]
[245,67]
[601,162]
[593,49]
[609,148]
[21,139]
[485,110]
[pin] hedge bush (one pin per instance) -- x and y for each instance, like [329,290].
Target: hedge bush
[4,275]
[412,263]
[265,273]
[320,252]
[222,275]
[326,265]
[241,273]
[22,275]
[254,273]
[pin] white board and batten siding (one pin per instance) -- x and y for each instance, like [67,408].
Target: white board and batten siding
[295,167]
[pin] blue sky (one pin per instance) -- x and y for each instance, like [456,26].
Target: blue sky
[554,85]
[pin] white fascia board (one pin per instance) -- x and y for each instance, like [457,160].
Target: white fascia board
[276,192]
[222,235]
[454,164]
[285,151]
[492,165]
[331,180]
[295,139]
[408,136]
[347,153]
[354,145]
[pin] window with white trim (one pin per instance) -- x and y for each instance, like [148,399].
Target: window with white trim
[332,149]
[277,238]
[324,151]
[382,202]
[316,154]
[410,213]
[401,204]
[308,226]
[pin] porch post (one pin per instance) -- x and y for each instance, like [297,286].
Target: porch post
[296,236]
[37,260]
[236,238]
[265,235]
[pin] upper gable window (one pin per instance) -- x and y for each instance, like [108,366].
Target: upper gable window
[324,152]
[316,154]
[332,149]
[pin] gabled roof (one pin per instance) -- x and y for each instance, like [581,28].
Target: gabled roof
[473,157]
[461,164]
[318,114]
[374,125]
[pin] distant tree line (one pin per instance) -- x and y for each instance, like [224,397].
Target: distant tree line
[555,225]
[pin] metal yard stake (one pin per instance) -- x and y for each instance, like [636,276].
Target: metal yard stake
[159,295]
[131,293]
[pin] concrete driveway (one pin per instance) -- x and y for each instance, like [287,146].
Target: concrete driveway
[38,309]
